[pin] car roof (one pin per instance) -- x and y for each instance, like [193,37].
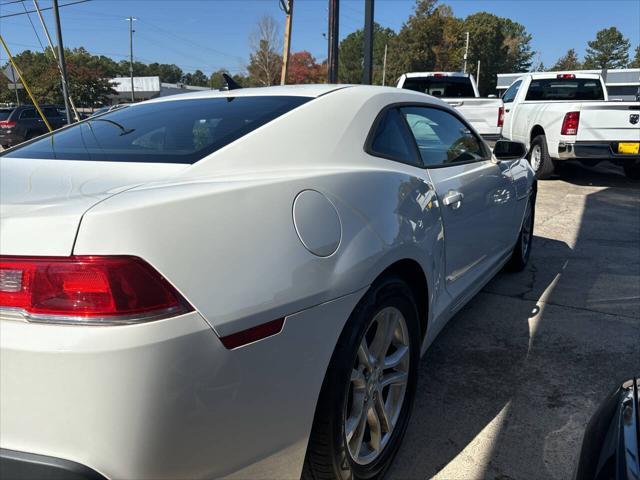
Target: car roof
[310,90]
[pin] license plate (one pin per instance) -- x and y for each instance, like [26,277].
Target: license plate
[629,148]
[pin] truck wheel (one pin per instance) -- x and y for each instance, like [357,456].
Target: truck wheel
[539,158]
[632,171]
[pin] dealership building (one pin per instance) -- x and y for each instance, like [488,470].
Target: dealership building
[622,84]
[146,88]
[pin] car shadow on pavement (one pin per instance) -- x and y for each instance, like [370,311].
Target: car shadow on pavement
[506,389]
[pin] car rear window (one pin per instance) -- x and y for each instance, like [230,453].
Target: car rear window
[565,89]
[178,131]
[5,112]
[449,87]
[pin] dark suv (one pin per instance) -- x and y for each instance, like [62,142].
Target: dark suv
[18,124]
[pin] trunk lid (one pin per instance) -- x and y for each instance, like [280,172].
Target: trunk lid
[43,201]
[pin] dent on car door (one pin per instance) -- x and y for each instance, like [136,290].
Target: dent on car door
[476,195]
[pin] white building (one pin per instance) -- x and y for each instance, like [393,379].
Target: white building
[622,83]
[145,88]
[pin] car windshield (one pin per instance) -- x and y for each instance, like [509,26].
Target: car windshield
[449,87]
[5,112]
[565,89]
[177,131]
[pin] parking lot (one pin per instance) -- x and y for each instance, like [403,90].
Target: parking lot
[506,390]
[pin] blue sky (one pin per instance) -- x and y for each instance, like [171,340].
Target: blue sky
[210,34]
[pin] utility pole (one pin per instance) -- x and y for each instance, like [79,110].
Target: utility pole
[55,56]
[287,6]
[384,66]
[63,66]
[332,58]
[478,76]
[466,53]
[131,30]
[367,72]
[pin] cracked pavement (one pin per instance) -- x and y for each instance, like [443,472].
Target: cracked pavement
[507,388]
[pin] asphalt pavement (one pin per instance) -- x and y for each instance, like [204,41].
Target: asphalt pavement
[507,388]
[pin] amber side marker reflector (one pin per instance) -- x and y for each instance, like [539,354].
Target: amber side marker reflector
[252,334]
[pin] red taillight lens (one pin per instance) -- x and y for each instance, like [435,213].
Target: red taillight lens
[570,123]
[7,124]
[438,75]
[565,75]
[500,116]
[87,289]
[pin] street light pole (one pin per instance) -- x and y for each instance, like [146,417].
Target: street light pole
[332,58]
[63,66]
[131,30]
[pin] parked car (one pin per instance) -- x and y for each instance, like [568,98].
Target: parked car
[21,123]
[242,282]
[568,116]
[611,444]
[460,91]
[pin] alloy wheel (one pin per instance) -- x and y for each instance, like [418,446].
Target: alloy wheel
[536,157]
[378,386]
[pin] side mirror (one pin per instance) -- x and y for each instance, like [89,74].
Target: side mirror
[507,150]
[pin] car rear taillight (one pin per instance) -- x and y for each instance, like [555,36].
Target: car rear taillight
[570,123]
[500,116]
[97,290]
[565,75]
[7,124]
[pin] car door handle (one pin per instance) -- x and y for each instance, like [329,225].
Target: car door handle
[453,199]
[507,110]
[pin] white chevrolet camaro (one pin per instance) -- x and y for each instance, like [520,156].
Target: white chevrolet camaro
[240,284]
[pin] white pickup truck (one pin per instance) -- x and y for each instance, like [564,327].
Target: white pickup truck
[461,92]
[563,116]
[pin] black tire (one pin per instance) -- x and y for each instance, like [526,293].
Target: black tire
[545,167]
[522,251]
[632,171]
[328,456]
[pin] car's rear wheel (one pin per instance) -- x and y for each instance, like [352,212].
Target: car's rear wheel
[522,250]
[368,391]
[539,158]
[632,171]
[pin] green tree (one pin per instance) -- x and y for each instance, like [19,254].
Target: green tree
[636,60]
[569,61]
[197,79]
[609,50]
[168,73]
[351,56]
[431,39]
[216,81]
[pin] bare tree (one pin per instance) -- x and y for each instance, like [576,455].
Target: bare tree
[265,63]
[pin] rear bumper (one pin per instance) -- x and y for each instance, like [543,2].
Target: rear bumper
[593,150]
[11,139]
[28,466]
[166,399]
[491,137]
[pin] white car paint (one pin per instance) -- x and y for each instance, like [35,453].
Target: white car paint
[482,113]
[165,399]
[600,121]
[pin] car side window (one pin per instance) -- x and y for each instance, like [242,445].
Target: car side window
[442,138]
[391,139]
[28,113]
[51,112]
[510,95]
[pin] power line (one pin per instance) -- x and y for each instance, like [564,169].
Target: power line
[33,26]
[42,9]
